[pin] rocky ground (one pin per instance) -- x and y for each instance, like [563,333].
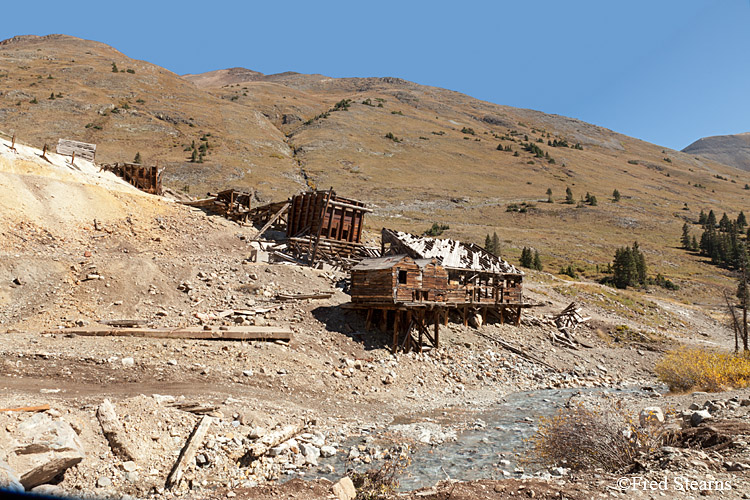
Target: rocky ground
[128,256]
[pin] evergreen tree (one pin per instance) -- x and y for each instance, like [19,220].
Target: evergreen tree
[724,223]
[615,196]
[569,196]
[137,158]
[488,243]
[741,222]
[694,244]
[537,261]
[592,201]
[549,195]
[685,240]
[624,268]
[702,219]
[495,244]
[194,156]
[711,219]
[526,258]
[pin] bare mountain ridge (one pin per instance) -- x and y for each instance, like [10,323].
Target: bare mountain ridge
[733,150]
[417,154]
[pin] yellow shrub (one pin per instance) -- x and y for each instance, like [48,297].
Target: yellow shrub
[699,369]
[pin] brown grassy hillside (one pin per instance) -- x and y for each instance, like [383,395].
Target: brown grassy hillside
[419,154]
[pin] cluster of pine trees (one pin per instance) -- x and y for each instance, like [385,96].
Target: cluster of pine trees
[492,244]
[531,260]
[629,267]
[723,241]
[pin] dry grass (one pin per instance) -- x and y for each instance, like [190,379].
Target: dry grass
[702,370]
[380,483]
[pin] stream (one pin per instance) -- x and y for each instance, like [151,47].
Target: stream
[487,449]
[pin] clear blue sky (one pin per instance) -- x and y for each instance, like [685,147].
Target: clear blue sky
[666,71]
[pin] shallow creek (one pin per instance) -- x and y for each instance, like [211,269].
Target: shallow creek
[487,447]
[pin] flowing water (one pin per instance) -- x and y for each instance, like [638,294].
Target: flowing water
[488,448]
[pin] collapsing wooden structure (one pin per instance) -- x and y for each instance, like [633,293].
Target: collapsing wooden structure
[232,204]
[146,179]
[327,227]
[420,281]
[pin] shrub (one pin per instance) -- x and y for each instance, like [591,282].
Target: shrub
[382,483]
[114,68]
[131,71]
[342,105]
[397,113]
[392,137]
[436,229]
[33,101]
[702,370]
[468,130]
[569,271]
[585,439]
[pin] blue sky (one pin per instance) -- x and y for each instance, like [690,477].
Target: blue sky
[666,71]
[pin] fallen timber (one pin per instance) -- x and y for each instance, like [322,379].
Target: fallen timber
[191,333]
[234,205]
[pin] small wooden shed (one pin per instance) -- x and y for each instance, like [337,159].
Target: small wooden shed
[398,279]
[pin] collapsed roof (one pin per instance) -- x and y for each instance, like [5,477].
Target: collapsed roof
[450,254]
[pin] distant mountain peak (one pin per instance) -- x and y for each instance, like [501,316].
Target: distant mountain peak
[732,150]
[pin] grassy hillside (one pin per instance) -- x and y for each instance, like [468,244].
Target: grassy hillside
[418,154]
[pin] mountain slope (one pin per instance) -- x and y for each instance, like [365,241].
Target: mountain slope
[733,150]
[417,154]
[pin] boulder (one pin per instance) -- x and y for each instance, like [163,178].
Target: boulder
[344,489]
[327,451]
[653,415]
[43,448]
[699,416]
[311,453]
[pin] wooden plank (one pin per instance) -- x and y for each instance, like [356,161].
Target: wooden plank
[187,454]
[26,408]
[231,333]
[301,296]
[271,221]
[75,148]
[124,322]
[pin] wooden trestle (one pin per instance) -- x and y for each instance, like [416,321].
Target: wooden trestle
[411,323]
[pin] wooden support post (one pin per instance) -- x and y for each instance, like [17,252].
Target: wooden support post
[446,314]
[437,328]
[73,158]
[384,321]
[518,317]
[13,143]
[502,316]
[466,316]
[320,226]
[396,326]
[421,329]
[44,152]
[368,321]
[484,315]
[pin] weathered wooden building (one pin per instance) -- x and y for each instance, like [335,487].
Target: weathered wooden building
[322,224]
[146,179]
[420,281]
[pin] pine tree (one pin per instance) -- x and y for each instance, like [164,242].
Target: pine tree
[527,258]
[615,196]
[685,240]
[194,156]
[488,243]
[137,158]
[114,68]
[702,219]
[694,244]
[592,201]
[549,195]
[711,219]
[741,222]
[569,196]
[724,223]
[495,244]
[537,261]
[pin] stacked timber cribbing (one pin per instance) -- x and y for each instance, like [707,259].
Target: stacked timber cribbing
[322,214]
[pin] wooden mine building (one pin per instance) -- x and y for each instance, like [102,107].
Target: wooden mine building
[419,281]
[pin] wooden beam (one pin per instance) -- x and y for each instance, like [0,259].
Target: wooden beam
[231,333]
[26,408]
[437,328]
[271,221]
[396,326]
[320,225]
[187,454]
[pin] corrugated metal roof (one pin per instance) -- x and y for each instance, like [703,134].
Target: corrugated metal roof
[455,254]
